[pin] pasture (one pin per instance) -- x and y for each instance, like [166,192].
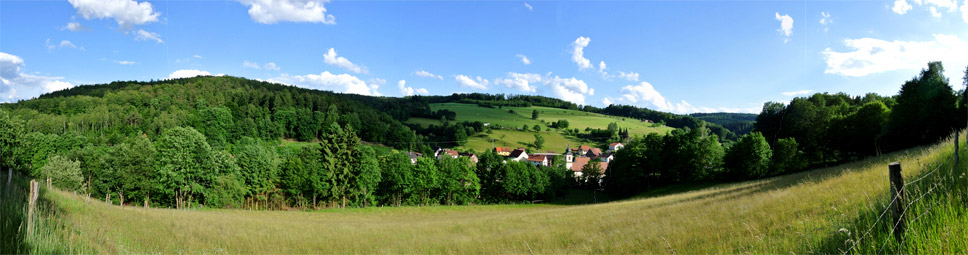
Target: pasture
[817,211]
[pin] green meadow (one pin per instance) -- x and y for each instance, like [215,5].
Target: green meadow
[824,210]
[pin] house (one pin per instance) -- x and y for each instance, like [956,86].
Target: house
[550,156]
[441,152]
[615,146]
[577,167]
[518,155]
[579,163]
[413,157]
[594,153]
[471,157]
[607,157]
[539,160]
[503,151]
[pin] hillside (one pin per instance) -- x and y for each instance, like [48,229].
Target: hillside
[738,123]
[507,123]
[810,212]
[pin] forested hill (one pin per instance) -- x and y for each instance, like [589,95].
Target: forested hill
[224,109]
[739,123]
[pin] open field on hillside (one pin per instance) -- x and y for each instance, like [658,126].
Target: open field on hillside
[554,141]
[800,213]
[522,116]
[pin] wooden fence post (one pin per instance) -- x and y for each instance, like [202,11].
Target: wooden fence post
[897,208]
[107,198]
[31,203]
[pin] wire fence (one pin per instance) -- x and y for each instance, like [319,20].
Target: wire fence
[936,184]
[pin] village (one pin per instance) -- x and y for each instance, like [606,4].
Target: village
[575,159]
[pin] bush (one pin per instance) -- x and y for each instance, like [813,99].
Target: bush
[64,173]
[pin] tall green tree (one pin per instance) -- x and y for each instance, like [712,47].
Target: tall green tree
[184,162]
[748,158]
[64,173]
[11,131]
[925,110]
[538,141]
[534,114]
[459,183]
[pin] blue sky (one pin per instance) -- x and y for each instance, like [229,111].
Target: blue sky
[674,56]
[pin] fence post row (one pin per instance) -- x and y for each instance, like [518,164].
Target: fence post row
[897,189]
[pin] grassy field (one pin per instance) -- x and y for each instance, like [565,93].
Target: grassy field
[555,141]
[819,211]
[522,116]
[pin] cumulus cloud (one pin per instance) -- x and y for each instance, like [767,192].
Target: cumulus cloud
[530,8]
[426,74]
[569,89]
[124,62]
[271,66]
[127,13]
[521,81]
[467,82]
[142,35]
[644,94]
[274,11]
[601,66]
[825,21]
[964,11]
[344,83]
[76,27]
[252,65]
[901,7]
[197,56]
[409,91]
[796,93]
[16,85]
[188,73]
[868,55]
[578,53]
[332,59]
[524,59]
[786,26]
[630,76]
[62,44]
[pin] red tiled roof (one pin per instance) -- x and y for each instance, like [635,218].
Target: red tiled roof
[537,158]
[502,149]
[613,144]
[577,166]
[585,147]
[595,151]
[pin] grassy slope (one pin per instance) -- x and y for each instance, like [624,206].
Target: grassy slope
[554,140]
[799,212]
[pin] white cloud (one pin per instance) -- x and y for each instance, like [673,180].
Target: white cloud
[520,81]
[188,73]
[869,55]
[606,101]
[524,59]
[825,18]
[934,12]
[271,66]
[15,84]
[142,35]
[344,83]
[197,56]
[76,27]
[578,53]
[901,7]
[409,91]
[645,95]
[274,11]
[601,66]
[426,74]
[252,65]
[331,58]
[631,76]
[786,26]
[127,13]
[62,44]
[569,89]
[530,8]
[124,62]
[796,93]
[964,11]
[465,81]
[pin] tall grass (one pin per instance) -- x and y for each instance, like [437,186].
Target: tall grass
[48,231]
[819,211]
[936,212]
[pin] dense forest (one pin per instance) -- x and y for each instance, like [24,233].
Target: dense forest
[819,130]
[739,123]
[215,141]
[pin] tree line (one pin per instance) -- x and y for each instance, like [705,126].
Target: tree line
[813,131]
